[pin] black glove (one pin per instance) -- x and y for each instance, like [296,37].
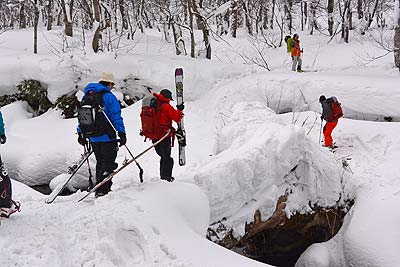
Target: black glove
[122,138]
[82,140]
[3,139]
[180,106]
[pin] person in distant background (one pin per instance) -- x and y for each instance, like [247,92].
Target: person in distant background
[296,53]
[7,205]
[289,41]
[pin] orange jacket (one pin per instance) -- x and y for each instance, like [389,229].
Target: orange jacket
[167,112]
[296,52]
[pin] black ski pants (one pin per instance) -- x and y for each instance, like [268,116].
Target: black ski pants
[105,154]
[163,149]
[5,189]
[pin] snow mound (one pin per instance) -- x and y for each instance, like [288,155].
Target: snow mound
[355,243]
[260,157]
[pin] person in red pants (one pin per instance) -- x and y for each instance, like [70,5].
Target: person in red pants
[331,122]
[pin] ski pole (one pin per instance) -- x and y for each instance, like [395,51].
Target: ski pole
[87,149]
[320,131]
[133,157]
[137,164]
[111,175]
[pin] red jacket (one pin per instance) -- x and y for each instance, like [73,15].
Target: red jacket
[167,112]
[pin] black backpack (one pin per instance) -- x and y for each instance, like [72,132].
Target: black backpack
[91,118]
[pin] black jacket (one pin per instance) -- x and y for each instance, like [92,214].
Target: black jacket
[327,112]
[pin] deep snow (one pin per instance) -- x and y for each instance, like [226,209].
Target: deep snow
[240,153]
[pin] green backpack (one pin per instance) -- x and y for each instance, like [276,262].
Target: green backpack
[289,41]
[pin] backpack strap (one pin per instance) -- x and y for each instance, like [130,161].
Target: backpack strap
[98,96]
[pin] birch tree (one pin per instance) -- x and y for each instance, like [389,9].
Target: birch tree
[397,35]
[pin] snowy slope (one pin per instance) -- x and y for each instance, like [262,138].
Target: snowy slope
[369,233]
[240,156]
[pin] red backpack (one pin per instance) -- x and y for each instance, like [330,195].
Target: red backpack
[150,117]
[336,108]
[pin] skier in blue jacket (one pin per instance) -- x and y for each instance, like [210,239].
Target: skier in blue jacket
[105,146]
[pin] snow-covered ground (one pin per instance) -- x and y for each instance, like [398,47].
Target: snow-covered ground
[240,153]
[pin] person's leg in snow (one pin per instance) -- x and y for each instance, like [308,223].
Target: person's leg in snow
[105,154]
[5,189]
[163,149]
[328,128]
[14,207]
[299,62]
[7,205]
[294,63]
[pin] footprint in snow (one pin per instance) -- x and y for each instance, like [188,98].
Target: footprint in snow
[168,253]
[139,208]
[155,230]
[130,245]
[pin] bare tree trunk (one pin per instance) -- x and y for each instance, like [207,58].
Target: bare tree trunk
[35,27]
[305,13]
[288,14]
[179,42]
[371,16]
[345,21]
[97,33]
[247,18]
[192,41]
[22,16]
[96,10]
[397,38]
[140,17]
[350,18]
[302,17]
[166,32]
[331,4]
[68,30]
[360,9]
[259,18]
[313,20]
[271,22]
[59,17]
[204,28]
[264,10]
[49,8]
[148,22]
[234,18]
[220,24]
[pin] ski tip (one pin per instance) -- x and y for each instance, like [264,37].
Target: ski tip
[178,72]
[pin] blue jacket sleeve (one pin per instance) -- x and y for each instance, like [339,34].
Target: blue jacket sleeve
[2,130]
[113,111]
